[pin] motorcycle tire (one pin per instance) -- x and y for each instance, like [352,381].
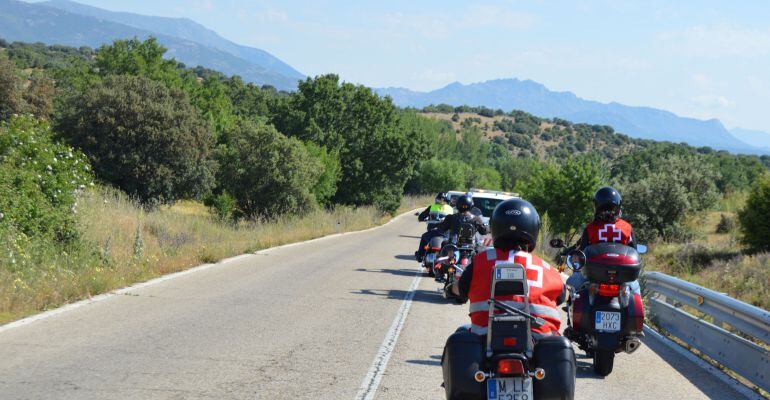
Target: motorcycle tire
[431,273]
[461,300]
[603,361]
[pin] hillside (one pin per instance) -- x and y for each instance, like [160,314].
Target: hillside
[535,98]
[185,29]
[752,137]
[525,135]
[20,21]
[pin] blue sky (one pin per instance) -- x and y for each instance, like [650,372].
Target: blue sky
[703,59]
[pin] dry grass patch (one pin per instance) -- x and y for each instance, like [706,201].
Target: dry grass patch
[122,244]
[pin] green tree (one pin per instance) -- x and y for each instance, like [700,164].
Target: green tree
[141,137]
[755,225]
[565,192]
[376,153]
[266,172]
[326,187]
[434,175]
[138,58]
[485,178]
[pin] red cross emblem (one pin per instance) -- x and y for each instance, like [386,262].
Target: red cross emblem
[609,233]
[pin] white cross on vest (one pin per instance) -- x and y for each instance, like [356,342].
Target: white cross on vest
[614,234]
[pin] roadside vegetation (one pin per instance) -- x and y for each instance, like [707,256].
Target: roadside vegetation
[118,165]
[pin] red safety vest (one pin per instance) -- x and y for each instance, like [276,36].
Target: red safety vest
[617,232]
[545,286]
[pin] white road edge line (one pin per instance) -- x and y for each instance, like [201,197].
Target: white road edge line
[373,377]
[690,356]
[72,306]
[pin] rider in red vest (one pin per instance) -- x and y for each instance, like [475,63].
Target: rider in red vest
[607,225]
[515,225]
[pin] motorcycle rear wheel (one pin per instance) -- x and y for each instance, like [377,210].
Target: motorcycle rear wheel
[603,361]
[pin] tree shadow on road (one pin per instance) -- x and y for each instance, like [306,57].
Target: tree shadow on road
[433,362]
[399,272]
[423,296]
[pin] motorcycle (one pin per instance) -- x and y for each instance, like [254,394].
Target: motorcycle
[450,265]
[605,316]
[431,254]
[508,363]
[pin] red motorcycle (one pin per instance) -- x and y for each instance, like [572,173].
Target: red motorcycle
[606,315]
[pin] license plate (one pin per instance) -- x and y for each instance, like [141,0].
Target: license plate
[607,321]
[509,273]
[509,389]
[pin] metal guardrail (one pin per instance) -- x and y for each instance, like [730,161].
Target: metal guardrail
[745,357]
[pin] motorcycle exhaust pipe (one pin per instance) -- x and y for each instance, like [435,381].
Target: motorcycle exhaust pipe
[632,345]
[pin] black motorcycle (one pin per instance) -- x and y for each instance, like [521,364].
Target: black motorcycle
[450,265]
[605,316]
[508,362]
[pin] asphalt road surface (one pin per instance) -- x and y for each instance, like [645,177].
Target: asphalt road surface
[318,320]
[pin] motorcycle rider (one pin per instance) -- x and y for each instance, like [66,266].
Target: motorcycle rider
[440,206]
[515,226]
[452,224]
[607,226]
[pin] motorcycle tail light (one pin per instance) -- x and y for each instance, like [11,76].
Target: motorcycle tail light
[435,248]
[509,367]
[510,341]
[609,290]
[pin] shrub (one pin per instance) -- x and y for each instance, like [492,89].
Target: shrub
[39,180]
[656,206]
[141,137]
[755,224]
[267,173]
[10,89]
[222,205]
[726,224]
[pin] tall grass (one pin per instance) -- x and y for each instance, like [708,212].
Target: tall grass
[122,243]
[714,258]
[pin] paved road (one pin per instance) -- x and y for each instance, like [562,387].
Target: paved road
[301,322]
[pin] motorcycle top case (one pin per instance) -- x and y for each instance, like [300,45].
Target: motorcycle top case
[612,263]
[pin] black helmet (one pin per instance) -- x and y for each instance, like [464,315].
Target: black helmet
[607,202]
[515,223]
[464,203]
[441,197]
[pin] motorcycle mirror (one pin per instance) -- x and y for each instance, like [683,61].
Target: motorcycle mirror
[641,249]
[417,214]
[556,243]
[576,259]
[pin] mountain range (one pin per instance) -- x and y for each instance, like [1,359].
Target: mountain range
[69,23]
[535,98]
